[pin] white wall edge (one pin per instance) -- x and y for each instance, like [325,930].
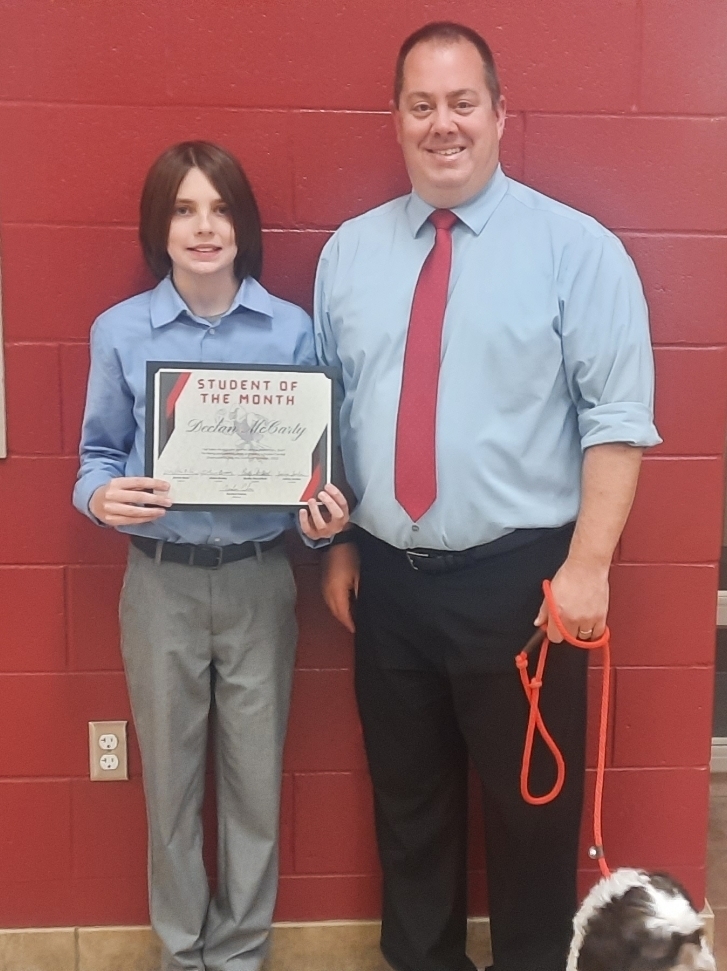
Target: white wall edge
[722,608]
[719,755]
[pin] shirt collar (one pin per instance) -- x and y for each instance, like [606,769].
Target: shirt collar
[167,305]
[474,213]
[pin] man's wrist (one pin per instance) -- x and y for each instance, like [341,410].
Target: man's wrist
[589,563]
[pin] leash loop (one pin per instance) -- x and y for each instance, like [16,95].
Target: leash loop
[532,687]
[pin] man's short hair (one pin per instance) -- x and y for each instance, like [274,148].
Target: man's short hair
[226,175]
[448,32]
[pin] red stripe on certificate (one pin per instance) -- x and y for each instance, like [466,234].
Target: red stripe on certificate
[314,486]
[178,388]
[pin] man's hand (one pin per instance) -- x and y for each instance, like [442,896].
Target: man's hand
[317,524]
[581,596]
[580,587]
[340,582]
[126,501]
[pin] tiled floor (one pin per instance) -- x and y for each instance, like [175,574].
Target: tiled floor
[717,867]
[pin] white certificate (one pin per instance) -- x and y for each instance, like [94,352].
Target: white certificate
[239,435]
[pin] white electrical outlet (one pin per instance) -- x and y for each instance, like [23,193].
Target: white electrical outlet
[107,751]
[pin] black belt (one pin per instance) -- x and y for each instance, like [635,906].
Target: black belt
[211,557]
[444,561]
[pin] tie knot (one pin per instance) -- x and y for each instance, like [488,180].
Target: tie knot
[443,219]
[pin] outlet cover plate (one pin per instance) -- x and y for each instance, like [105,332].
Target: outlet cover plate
[97,753]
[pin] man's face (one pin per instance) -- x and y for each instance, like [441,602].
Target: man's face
[446,125]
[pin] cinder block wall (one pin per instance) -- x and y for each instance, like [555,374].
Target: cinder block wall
[617,107]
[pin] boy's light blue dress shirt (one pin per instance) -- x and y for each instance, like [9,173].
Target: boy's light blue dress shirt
[158,326]
[545,352]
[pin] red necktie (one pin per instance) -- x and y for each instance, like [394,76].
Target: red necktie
[415,460]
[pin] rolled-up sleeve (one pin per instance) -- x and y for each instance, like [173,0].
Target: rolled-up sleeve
[606,346]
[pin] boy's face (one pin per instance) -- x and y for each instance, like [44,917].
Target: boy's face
[201,235]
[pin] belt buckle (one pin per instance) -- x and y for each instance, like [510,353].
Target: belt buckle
[219,552]
[412,554]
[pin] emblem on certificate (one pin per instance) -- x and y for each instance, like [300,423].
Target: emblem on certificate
[239,435]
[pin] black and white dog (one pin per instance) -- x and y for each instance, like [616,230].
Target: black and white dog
[638,921]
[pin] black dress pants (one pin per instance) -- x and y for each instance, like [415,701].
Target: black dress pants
[436,686]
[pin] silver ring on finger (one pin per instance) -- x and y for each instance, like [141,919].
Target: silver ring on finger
[585,635]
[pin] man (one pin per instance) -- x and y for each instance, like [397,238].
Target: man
[497,389]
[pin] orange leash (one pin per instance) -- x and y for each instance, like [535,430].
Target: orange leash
[532,687]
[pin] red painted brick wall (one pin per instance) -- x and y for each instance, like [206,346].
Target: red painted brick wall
[617,107]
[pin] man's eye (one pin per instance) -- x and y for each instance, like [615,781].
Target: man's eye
[421,109]
[464,105]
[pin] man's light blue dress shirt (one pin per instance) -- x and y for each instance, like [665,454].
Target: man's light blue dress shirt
[158,326]
[545,352]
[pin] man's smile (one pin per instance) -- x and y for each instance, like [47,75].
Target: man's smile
[446,152]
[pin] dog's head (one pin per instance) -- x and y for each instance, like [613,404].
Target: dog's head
[638,921]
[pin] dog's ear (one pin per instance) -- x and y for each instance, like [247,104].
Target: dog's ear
[695,957]
[616,934]
[651,950]
[668,885]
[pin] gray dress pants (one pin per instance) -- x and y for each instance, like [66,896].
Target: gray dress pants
[190,637]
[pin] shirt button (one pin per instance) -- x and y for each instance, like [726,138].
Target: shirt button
[415,528]
[211,332]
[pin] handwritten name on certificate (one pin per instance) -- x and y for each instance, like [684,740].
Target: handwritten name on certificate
[228,435]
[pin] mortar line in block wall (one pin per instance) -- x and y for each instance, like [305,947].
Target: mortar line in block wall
[663,667]
[66,619]
[523,140]
[207,106]
[295,773]
[701,767]
[633,232]
[133,227]
[303,667]
[638,61]
[625,115]
[673,233]
[55,224]
[636,233]
[683,458]
[3,416]
[307,875]
[317,110]
[35,566]
[657,345]
[116,672]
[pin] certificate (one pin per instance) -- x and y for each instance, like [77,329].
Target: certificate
[239,435]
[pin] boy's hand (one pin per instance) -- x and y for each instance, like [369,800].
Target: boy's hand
[126,501]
